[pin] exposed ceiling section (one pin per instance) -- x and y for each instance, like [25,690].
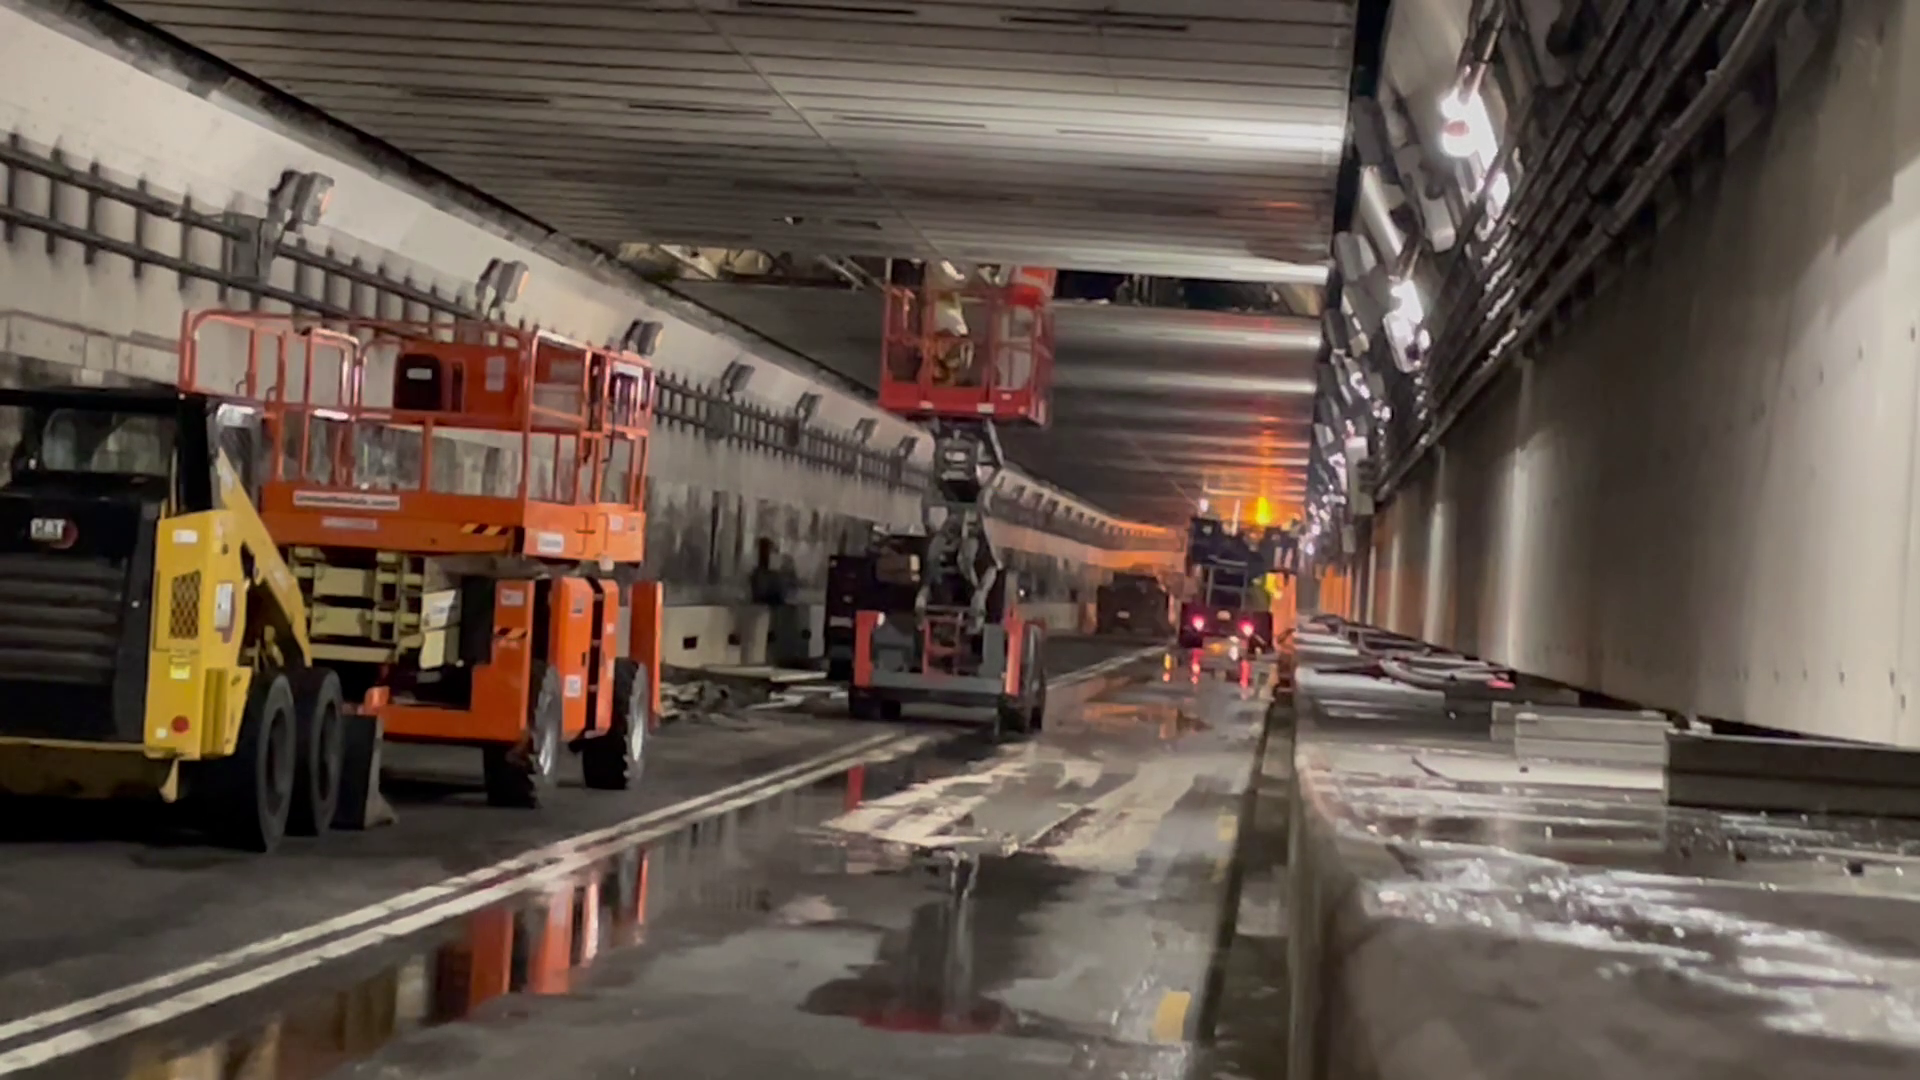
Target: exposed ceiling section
[1176,137]
[1162,139]
[1153,407]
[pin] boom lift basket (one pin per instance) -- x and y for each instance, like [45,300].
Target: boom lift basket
[977,351]
[444,437]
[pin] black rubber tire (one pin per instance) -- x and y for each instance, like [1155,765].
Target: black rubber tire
[1010,720]
[1035,668]
[251,792]
[892,709]
[864,704]
[518,775]
[319,712]
[614,761]
[1188,640]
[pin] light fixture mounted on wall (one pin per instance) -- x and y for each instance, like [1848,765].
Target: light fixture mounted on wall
[500,284]
[734,379]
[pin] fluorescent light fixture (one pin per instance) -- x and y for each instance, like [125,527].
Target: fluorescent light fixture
[1467,129]
[1407,303]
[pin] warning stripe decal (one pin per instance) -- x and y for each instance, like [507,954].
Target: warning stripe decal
[485,530]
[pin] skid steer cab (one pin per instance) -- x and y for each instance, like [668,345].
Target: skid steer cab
[152,641]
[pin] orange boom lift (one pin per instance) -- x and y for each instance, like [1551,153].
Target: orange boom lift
[938,616]
[461,503]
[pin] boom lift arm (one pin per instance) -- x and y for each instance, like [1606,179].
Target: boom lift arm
[939,616]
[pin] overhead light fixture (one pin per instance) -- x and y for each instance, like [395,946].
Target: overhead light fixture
[1466,128]
[1407,303]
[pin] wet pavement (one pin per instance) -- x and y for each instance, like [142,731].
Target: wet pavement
[920,848]
[1470,915]
[1054,909]
[1046,908]
[133,921]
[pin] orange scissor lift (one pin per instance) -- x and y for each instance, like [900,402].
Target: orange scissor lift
[463,505]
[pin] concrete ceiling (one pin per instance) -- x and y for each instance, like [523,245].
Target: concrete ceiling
[1174,138]
[1153,407]
[1171,137]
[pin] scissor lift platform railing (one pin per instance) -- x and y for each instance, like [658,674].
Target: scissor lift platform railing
[547,438]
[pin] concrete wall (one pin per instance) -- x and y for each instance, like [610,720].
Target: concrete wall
[96,314]
[1703,496]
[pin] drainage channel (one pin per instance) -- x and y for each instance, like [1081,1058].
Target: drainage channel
[531,925]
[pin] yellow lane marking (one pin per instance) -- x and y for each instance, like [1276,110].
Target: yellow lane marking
[1227,826]
[1170,1019]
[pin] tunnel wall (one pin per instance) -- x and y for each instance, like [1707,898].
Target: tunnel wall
[1702,495]
[75,311]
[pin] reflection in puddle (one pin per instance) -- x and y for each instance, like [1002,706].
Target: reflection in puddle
[925,979]
[532,947]
[1167,718]
[537,945]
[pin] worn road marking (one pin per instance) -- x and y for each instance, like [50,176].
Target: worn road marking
[1227,827]
[1120,824]
[922,814]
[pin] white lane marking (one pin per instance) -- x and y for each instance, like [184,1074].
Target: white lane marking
[122,1024]
[1080,772]
[26,1025]
[920,815]
[1120,824]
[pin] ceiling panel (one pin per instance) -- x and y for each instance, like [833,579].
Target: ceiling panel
[1173,137]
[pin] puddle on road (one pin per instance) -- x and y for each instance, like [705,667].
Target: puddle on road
[538,944]
[943,973]
[965,946]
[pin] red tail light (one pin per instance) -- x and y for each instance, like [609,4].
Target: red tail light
[1199,623]
[1246,629]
